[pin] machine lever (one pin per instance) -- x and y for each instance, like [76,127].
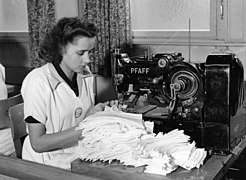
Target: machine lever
[173,98]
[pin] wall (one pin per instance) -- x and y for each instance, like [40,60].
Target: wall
[198,53]
[14,47]
[14,51]
[14,55]
[65,8]
[232,37]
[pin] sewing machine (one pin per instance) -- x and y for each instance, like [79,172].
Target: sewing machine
[204,99]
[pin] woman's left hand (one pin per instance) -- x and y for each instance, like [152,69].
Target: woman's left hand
[113,103]
[98,107]
[101,106]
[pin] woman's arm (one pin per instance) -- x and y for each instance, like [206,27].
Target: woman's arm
[42,142]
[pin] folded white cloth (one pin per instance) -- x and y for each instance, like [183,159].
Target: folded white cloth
[114,135]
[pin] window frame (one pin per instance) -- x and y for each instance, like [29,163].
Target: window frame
[14,36]
[157,37]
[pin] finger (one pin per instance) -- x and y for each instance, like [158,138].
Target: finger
[99,107]
[111,103]
[102,107]
[116,102]
[100,104]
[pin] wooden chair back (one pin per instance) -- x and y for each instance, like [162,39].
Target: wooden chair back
[5,104]
[16,116]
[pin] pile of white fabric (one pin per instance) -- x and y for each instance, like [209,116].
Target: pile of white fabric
[115,135]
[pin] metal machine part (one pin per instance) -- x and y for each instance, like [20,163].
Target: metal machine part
[205,99]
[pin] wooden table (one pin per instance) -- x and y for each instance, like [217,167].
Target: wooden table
[13,89]
[28,170]
[214,168]
[10,88]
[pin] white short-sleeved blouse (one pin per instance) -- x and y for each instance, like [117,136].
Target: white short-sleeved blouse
[6,139]
[50,100]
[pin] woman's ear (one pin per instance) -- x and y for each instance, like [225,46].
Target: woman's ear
[62,51]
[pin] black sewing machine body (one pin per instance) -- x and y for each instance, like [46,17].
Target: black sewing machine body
[203,99]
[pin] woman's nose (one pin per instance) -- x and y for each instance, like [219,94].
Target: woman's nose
[86,58]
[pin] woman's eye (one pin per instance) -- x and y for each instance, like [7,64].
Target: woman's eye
[81,53]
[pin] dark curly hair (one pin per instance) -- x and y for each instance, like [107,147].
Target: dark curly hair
[64,32]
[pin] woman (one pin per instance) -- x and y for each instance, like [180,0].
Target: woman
[6,139]
[59,95]
[3,87]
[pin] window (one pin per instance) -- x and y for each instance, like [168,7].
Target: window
[175,19]
[13,19]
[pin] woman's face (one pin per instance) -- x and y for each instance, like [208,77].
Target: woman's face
[75,55]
